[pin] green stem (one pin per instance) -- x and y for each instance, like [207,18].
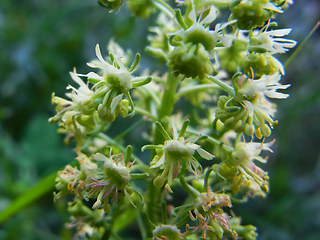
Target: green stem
[206,178]
[145,113]
[219,3]
[193,89]
[141,224]
[154,195]
[222,84]
[301,45]
[190,190]
[164,5]
[168,98]
[139,175]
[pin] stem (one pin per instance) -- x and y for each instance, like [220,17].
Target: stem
[222,84]
[163,5]
[219,3]
[145,113]
[190,190]
[154,195]
[206,178]
[193,89]
[168,98]
[141,224]
[139,175]
[301,45]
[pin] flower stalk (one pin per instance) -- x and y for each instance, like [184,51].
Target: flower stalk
[228,76]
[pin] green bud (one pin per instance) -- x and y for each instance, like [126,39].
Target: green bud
[190,60]
[111,4]
[218,230]
[159,181]
[222,115]
[219,125]
[136,199]
[265,130]
[141,8]
[239,126]
[222,101]
[196,35]
[105,113]
[230,58]
[251,14]
[258,133]
[229,123]
[262,64]
[166,232]
[247,232]
[248,129]
[227,171]
[123,108]
[86,121]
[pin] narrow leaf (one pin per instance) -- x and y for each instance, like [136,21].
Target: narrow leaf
[29,197]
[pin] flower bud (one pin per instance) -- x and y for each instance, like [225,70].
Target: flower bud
[200,35]
[258,133]
[247,232]
[166,232]
[190,60]
[123,108]
[265,130]
[105,113]
[87,122]
[230,58]
[159,181]
[141,8]
[111,4]
[251,14]
[262,64]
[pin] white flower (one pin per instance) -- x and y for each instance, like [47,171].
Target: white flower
[83,94]
[267,85]
[243,157]
[271,41]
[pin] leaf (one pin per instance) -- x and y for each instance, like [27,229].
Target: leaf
[29,197]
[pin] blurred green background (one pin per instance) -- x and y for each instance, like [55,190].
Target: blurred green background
[41,41]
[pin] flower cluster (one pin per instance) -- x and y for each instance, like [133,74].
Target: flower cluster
[228,71]
[249,111]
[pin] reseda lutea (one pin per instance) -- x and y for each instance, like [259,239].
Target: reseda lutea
[226,73]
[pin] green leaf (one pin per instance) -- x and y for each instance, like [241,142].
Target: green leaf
[29,197]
